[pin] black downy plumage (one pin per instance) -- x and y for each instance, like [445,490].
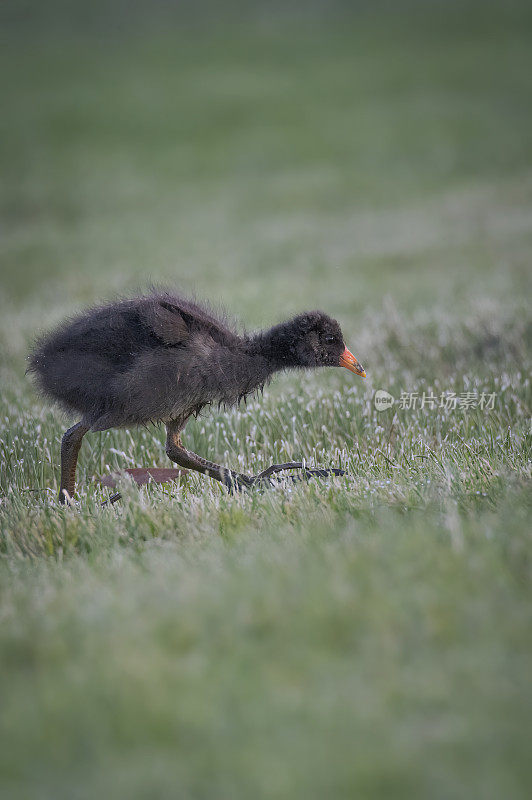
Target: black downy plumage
[162,358]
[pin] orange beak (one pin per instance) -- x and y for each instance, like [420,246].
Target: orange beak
[348,361]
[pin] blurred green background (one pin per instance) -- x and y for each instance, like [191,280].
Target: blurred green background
[368,638]
[269,155]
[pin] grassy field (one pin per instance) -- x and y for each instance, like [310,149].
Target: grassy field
[363,637]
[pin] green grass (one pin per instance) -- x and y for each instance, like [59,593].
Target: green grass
[367,636]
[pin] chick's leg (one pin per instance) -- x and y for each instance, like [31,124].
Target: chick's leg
[233,480]
[70,445]
[186,458]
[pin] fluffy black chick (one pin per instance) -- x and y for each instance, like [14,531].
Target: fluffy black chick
[162,358]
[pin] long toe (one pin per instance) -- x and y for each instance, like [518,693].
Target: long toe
[307,474]
[271,477]
[236,482]
[323,473]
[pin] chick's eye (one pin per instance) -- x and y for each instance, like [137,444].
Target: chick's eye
[328,338]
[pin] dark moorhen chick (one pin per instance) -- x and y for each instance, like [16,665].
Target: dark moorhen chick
[162,358]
